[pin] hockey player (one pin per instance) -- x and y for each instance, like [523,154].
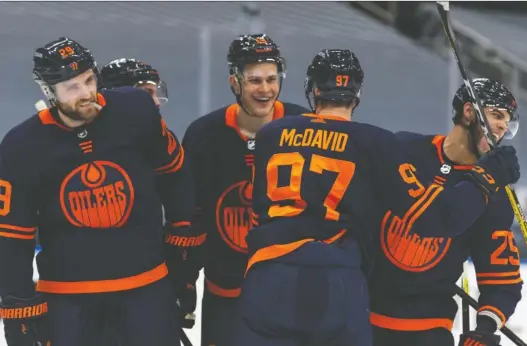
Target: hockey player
[321,185]
[132,72]
[136,73]
[418,308]
[88,184]
[220,147]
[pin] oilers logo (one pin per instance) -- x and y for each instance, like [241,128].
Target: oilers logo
[98,194]
[234,213]
[407,250]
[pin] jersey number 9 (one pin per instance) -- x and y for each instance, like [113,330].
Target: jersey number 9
[5,197]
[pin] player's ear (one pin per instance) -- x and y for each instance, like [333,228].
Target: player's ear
[469,115]
[235,86]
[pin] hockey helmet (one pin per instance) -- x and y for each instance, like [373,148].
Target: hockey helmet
[250,49]
[133,72]
[59,61]
[334,75]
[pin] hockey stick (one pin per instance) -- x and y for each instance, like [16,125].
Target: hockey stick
[506,331]
[465,310]
[443,8]
[184,338]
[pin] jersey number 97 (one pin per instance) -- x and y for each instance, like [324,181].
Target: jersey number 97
[319,164]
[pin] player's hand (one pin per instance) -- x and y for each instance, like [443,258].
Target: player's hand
[479,338]
[188,321]
[182,240]
[187,299]
[25,321]
[497,168]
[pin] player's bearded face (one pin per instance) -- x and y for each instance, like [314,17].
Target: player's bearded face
[260,88]
[75,97]
[498,120]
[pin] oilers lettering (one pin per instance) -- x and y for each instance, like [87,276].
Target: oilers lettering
[107,203]
[97,195]
[237,219]
[407,250]
[234,215]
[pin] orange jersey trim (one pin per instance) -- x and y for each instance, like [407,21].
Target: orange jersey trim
[102,286]
[410,324]
[438,142]
[8,231]
[47,119]
[279,250]
[504,278]
[101,100]
[222,292]
[500,282]
[173,166]
[231,114]
[327,117]
[181,223]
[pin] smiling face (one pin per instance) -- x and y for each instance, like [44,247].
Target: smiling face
[498,120]
[75,97]
[260,86]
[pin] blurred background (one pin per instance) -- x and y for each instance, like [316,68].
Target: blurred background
[410,75]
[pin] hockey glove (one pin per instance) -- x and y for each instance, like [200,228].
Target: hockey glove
[187,299]
[25,321]
[180,240]
[184,251]
[497,168]
[479,338]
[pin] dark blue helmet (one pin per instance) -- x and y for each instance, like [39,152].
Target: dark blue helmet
[334,75]
[59,61]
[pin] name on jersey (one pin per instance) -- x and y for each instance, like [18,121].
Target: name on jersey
[322,139]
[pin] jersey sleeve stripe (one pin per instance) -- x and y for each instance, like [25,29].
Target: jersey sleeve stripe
[173,166]
[18,228]
[410,324]
[17,232]
[487,275]
[17,236]
[500,282]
